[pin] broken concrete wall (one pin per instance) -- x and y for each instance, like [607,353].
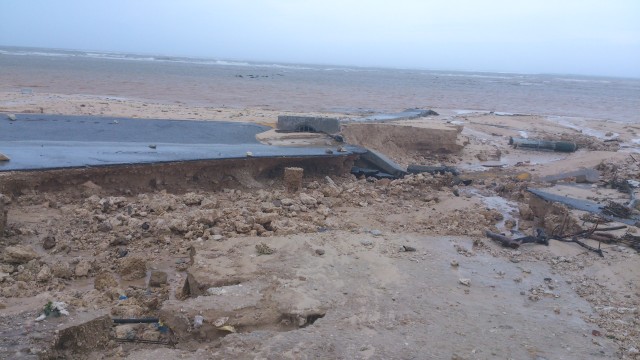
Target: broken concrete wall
[174,177]
[84,333]
[308,123]
[405,136]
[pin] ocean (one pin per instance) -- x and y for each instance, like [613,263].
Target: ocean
[302,87]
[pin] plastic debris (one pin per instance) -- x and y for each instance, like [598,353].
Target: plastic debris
[228,328]
[197,321]
[53,308]
[221,321]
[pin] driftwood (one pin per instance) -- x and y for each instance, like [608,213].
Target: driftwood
[593,233]
[503,240]
[540,238]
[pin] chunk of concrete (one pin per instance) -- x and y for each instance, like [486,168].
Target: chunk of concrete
[308,124]
[383,163]
[293,178]
[405,136]
[19,254]
[84,332]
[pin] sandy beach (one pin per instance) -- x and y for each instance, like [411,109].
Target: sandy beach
[346,265]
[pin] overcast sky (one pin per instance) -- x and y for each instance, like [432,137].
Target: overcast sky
[593,37]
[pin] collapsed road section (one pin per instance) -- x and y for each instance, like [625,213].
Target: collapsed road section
[252,256]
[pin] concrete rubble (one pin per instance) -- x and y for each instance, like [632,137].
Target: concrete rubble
[302,259]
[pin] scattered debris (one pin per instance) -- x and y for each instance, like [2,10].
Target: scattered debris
[417,169]
[583,205]
[465,282]
[357,171]
[578,176]
[53,308]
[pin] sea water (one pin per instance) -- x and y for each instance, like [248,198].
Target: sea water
[302,87]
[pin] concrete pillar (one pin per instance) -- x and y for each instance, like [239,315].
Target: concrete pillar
[293,178]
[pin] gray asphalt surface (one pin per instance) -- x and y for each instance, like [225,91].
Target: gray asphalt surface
[37,142]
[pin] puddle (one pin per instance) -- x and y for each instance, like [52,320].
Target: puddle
[506,208]
[583,129]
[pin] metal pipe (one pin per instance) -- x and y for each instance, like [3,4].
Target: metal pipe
[560,146]
[136,321]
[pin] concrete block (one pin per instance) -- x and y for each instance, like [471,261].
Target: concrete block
[308,124]
[383,163]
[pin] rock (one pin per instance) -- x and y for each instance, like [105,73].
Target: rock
[126,331]
[158,278]
[217,237]
[320,252]
[4,157]
[49,242]
[105,226]
[455,263]
[242,227]
[19,254]
[11,117]
[266,218]
[44,274]
[287,202]
[465,282]
[306,199]
[83,268]
[150,335]
[192,199]
[408,248]
[366,242]
[132,268]
[62,270]
[264,249]
[525,212]
[376,232]
[105,281]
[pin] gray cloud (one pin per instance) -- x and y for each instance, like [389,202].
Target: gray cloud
[571,36]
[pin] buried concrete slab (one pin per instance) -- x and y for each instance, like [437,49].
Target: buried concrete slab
[405,136]
[380,301]
[380,161]
[583,205]
[403,115]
